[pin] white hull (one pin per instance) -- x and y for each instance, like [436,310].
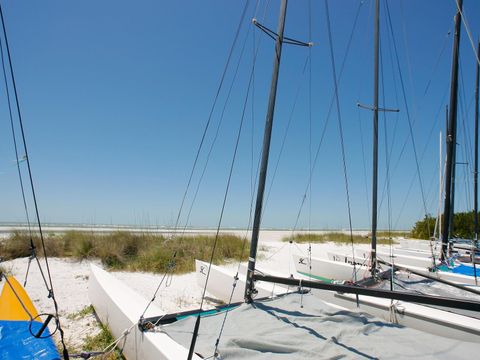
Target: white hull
[414,252]
[403,260]
[420,245]
[323,269]
[119,308]
[220,284]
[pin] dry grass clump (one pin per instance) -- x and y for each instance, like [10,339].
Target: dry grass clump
[335,237]
[129,251]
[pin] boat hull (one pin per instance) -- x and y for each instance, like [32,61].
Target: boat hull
[420,317]
[220,283]
[119,308]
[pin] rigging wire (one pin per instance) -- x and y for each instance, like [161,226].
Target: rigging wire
[387,166]
[17,161]
[322,136]
[310,135]
[217,132]
[207,125]
[397,115]
[437,62]
[405,142]
[215,137]
[236,277]
[412,181]
[285,134]
[340,128]
[32,186]
[197,324]
[467,29]
[364,165]
[467,144]
[250,86]
[218,127]
[410,125]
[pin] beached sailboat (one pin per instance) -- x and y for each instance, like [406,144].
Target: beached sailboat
[297,325]
[424,262]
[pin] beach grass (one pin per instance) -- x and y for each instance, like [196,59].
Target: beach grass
[393,234]
[335,237]
[128,251]
[100,341]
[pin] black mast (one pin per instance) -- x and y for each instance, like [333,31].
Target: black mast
[375,139]
[451,132]
[249,288]
[475,176]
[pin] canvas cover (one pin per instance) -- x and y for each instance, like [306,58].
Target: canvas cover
[302,327]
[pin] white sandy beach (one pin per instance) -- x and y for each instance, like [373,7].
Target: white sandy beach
[70,280]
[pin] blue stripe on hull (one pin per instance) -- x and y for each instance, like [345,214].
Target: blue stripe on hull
[16,342]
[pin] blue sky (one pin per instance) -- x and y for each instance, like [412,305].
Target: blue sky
[115,96]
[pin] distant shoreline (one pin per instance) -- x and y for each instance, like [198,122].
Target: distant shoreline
[11,226]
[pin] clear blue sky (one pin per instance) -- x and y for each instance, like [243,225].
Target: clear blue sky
[115,96]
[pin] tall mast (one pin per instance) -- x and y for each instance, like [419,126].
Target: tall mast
[375,137]
[451,131]
[249,288]
[475,176]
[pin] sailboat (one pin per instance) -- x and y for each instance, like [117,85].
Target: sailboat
[272,324]
[344,268]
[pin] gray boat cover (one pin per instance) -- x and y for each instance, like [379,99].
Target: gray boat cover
[302,327]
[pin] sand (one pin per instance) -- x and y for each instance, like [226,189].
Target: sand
[70,281]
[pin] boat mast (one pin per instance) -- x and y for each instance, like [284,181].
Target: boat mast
[375,138]
[475,173]
[249,288]
[451,133]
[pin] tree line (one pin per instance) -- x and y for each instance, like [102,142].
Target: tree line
[463,226]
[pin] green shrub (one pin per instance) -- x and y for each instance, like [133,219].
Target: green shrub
[463,226]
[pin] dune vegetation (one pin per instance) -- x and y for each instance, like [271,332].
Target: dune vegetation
[340,238]
[128,251]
